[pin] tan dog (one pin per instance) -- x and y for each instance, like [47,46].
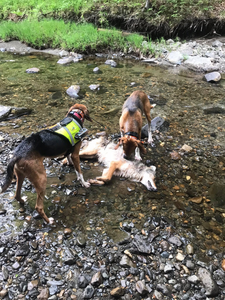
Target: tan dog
[28,157]
[131,124]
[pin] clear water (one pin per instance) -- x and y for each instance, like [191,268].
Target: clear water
[180,95]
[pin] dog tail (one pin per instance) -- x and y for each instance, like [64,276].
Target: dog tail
[9,176]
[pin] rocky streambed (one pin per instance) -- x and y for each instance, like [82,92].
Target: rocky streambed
[117,241]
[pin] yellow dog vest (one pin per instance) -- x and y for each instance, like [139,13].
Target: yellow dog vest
[68,127]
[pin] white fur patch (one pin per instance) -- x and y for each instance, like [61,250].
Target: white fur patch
[51,220]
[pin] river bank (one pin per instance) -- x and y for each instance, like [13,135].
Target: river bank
[201,55]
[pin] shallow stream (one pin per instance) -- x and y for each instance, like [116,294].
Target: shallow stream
[181,97]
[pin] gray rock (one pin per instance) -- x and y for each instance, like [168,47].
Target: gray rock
[82,281]
[175,240]
[32,70]
[141,288]
[68,257]
[168,268]
[198,63]
[5,272]
[127,262]
[142,245]
[96,279]
[111,62]
[96,70]
[210,285]
[213,77]
[65,60]
[44,294]
[13,112]
[73,91]
[23,250]
[190,265]
[63,53]
[217,44]
[94,87]
[88,292]
[81,240]
[157,123]
[193,279]
[175,57]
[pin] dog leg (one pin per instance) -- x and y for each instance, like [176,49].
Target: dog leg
[35,172]
[20,178]
[76,162]
[137,154]
[147,109]
[108,173]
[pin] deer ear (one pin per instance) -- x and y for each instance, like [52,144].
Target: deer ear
[119,143]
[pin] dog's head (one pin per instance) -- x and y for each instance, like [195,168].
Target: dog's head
[148,178]
[129,145]
[83,108]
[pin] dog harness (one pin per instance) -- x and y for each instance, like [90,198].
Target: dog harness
[71,127]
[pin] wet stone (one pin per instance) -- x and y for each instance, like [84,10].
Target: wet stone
[88,292]
[117,292]
[141,288]
[32,70]
[5,272]
[126,262]
[73,91]
[193,279]
[210,285]
[189,249]
[67,231]
[96,279]
[81,241]
[23,250]
[16,265]
[44,294]
[142,245]
[65,60]
[3,293]
[111,62]
[190,265]
[175,240]
[213,77]
[82,281]
[96,70]
[94,87]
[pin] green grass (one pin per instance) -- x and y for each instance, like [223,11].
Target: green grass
[69,36]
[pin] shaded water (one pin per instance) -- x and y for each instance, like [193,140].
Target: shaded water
[180,96]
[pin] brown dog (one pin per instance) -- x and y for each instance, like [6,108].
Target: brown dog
[62,139]
[131,124]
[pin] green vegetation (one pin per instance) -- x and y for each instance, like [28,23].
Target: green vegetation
[71,36]
[64,23]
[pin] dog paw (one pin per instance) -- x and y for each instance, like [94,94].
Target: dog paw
[51,221]
[86,184]
[138,158]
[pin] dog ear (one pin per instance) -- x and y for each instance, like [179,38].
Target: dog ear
[142,148]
